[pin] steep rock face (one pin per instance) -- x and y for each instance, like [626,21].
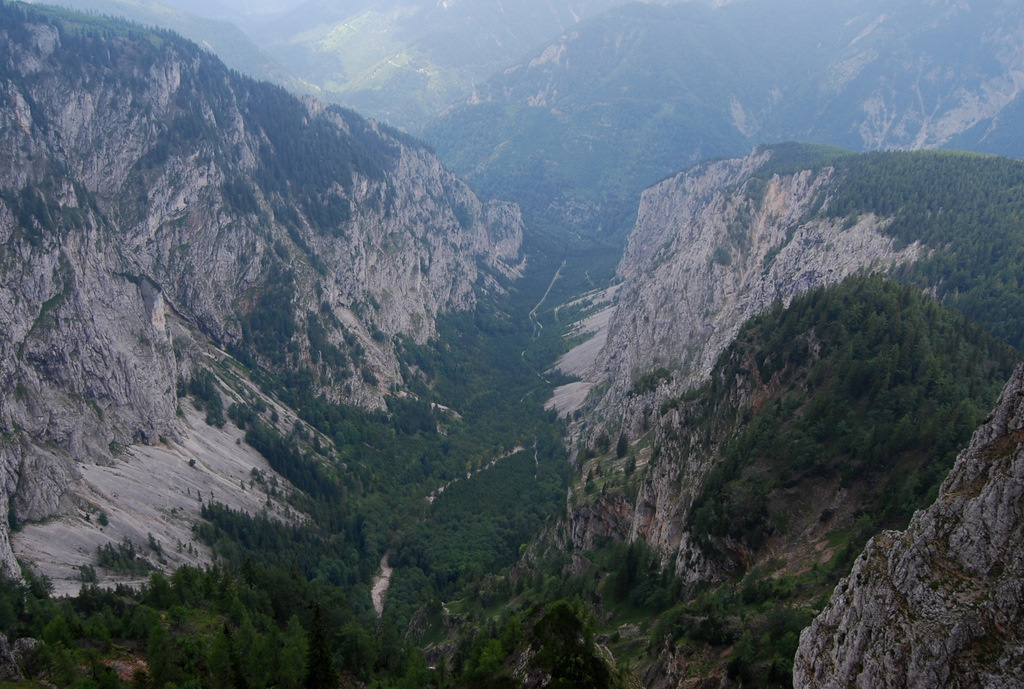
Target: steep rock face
[155,209]
[940,603]
[711,248]
[658,512]
[925,100]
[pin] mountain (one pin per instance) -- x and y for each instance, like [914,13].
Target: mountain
[158,212]
[583,125]
[401,63]
[938,603]
[272,383]
[574,131]
[713,247]
[727,521]
[404,62]
[725,240]
[633,92]
[210,25]
[776,394]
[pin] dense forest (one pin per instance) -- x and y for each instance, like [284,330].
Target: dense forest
[868,389]
[971,207]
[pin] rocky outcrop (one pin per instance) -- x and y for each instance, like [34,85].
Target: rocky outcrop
[711,248]
[9,670]
[157,210]
[941,603]
[17,659]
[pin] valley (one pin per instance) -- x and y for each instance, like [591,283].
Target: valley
[594,386]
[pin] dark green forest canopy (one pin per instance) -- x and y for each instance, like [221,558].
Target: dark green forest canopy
[880,386]
[967,208]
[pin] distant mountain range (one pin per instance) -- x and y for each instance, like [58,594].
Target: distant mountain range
[576,130]
[572,108]
[400,62]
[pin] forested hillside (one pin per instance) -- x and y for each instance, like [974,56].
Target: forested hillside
[246,330]
[710,541]
[822,422]
[969,208]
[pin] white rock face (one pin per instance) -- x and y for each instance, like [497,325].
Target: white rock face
[153,491]
[942,603]
[713,247]
[146,209]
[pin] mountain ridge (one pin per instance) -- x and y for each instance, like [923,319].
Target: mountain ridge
[720,224]
[742,502]
[621,88]
[148,230]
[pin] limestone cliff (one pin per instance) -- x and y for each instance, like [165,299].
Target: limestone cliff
[157,209]
[711,248]
[939,604]
[699,393]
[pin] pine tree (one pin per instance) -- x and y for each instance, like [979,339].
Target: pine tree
[622,446]
[319,666]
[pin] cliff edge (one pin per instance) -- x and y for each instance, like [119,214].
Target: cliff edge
[939,604]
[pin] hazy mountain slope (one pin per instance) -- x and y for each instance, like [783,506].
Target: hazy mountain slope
[405,62]
[919,77]
[399,63]
[578,128]
[156,209]
[208,24]
[576,131]
[939,603]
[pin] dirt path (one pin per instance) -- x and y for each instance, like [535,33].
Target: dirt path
[381,582]
[537,327]
[515,450]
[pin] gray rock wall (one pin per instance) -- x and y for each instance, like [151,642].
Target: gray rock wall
[940,604]
[713,247]
[134,192]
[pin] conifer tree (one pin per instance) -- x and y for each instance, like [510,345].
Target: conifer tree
[319,665]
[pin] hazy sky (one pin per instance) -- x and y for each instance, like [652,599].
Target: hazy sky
[264,5]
